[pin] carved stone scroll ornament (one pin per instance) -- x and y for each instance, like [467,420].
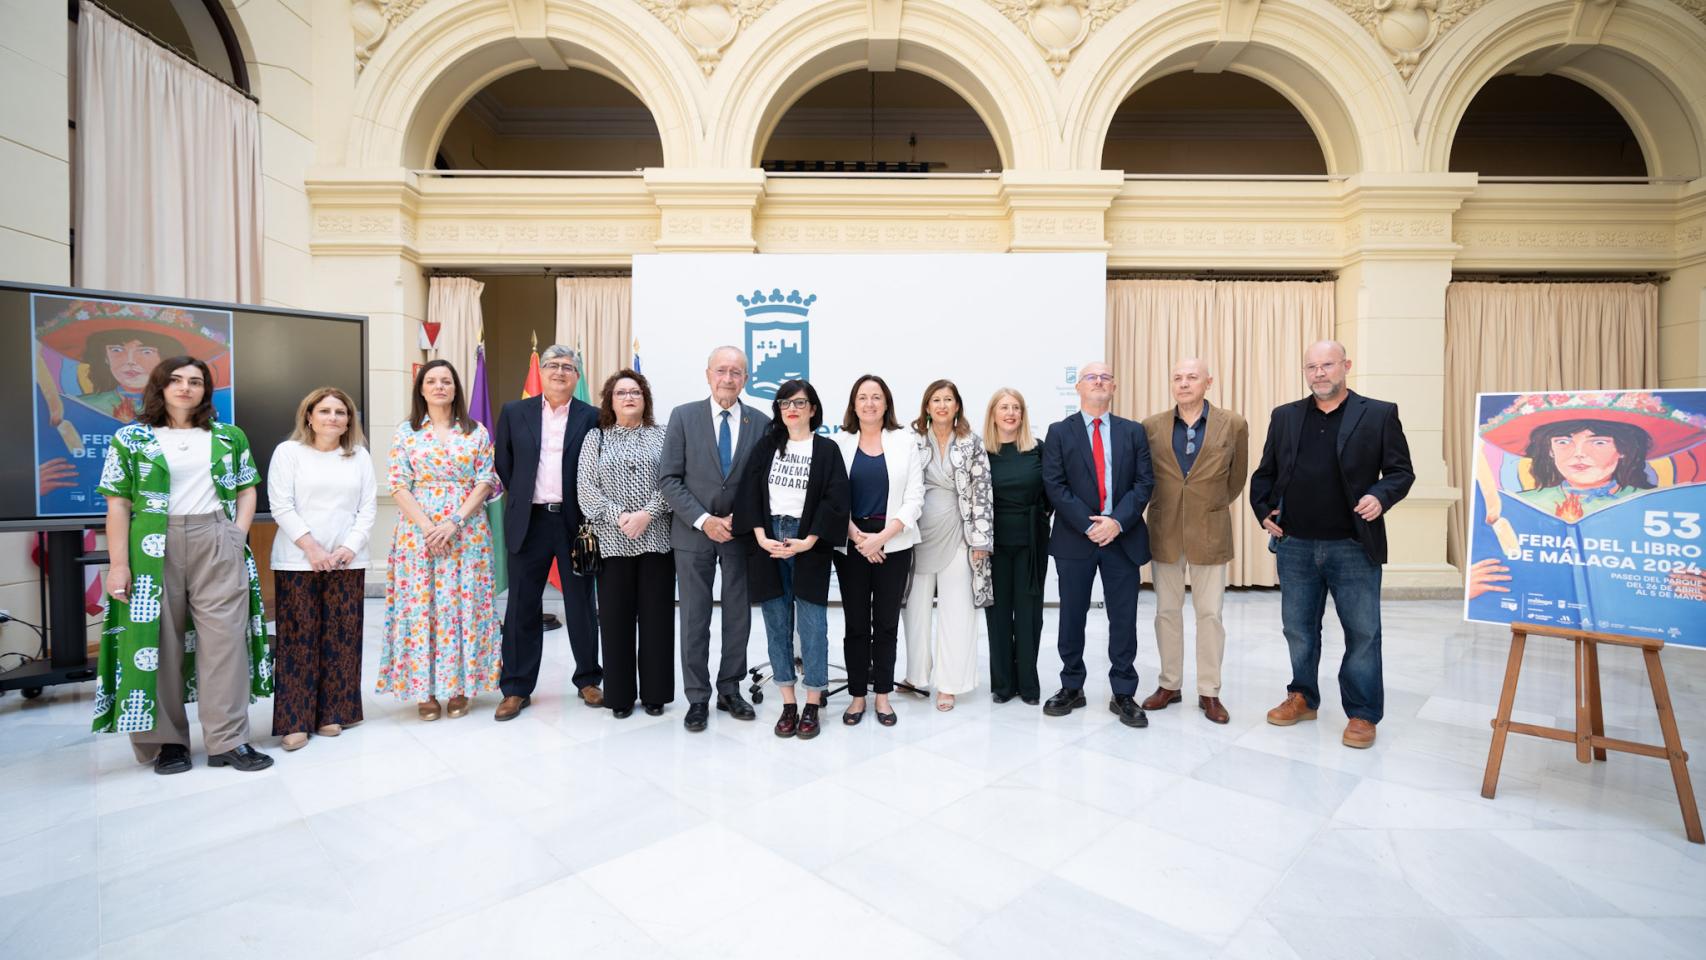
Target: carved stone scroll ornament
[373,20]
[1060,27]
[1408,28]
[707,26]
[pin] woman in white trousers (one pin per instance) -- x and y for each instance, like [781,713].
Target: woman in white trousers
[951,562]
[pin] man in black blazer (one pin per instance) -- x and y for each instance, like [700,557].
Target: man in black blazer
[538,448]
[705,451]
[1097,476]
[1333,464]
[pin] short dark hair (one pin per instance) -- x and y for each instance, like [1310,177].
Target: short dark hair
[786,391]
[850,420]
[607,399]
[458,403]
[1631,441]
[154,395]
[94,354]
[922,424]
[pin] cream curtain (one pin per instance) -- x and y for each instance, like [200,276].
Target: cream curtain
[594,316]
[168,171]
[1523,337]
[454,302]
[1251,333]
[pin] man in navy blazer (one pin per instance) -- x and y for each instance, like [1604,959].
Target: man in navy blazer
[1097,476]
[1333,464]
[537,453]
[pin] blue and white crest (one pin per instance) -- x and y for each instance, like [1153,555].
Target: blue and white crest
[778,339]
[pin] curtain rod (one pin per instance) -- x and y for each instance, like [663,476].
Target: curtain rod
[1321,276]
[1543,277]
[547,273]
[132,24]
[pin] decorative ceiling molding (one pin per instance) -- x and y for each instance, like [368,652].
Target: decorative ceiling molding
[707,26]
[1695,8]
[1060,27]
[1407,29]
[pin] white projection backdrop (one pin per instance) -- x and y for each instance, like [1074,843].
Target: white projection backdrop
[982,320]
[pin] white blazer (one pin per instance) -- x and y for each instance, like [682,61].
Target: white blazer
[906,483]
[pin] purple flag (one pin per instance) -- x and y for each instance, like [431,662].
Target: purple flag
[480,408]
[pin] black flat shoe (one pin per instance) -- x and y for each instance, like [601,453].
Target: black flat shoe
[172,759]
[243,757]
[1033,701]
[1001,697]
[852,717]
[697,714]
[654,709]
[887,719]
[736,706]
[622,713]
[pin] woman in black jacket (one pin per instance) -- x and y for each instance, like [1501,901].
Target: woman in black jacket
[792,507]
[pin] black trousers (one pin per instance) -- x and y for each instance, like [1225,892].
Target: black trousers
[871,594]
[548,538]
[636,621]
[1015,624]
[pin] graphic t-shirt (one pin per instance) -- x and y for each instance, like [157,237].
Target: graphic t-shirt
[788,475]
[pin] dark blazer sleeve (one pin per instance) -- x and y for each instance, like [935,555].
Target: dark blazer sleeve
[1396,474]
[503,458]
[829,520]
[1068,509]
[1128,508]
[672,470]
[1262,498]
[751,496]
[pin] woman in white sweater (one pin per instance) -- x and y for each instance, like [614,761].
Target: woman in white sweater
[321,490]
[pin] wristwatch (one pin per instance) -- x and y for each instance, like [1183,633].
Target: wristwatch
[456,518]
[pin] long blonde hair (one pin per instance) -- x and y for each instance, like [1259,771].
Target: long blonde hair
[304,433]
[992,433]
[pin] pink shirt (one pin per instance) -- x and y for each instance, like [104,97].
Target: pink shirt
[548,482]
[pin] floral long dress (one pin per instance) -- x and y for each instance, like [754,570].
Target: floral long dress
[442,634]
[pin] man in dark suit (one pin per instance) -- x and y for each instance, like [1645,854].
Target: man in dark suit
[538,448]
[1333,464]
[705,450]
[1096,474]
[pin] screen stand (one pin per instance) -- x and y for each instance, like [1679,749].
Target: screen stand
[68,645]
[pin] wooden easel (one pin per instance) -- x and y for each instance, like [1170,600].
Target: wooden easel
[1589,735]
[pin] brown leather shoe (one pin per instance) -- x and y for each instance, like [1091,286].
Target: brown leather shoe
[1294,708]
[1359,734]
[511,708]
[593,696]
[1161,697]
[1212,708]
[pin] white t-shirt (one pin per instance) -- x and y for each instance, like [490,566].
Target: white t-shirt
[189,457]
[324,493]
[789,473]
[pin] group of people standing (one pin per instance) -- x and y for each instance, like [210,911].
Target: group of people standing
[922,524]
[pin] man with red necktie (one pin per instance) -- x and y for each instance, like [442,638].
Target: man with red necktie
[1097,476]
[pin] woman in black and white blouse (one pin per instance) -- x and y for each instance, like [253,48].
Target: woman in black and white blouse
[619,497]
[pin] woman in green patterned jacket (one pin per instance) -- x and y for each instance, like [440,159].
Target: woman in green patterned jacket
[185,623]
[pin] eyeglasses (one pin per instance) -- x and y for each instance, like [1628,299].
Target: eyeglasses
[1097,378]
[553,366]
[795,403]
[629,394]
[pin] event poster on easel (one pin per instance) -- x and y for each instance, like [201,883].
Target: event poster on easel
[1589,512]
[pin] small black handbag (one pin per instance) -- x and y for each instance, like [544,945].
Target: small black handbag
[584,559]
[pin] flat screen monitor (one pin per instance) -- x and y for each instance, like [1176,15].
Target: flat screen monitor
[76,361]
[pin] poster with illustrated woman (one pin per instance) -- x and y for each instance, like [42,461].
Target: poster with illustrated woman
[1589,512]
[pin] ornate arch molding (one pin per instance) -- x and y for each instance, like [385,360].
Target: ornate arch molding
[1338,78]
[797,45]
[449,50]
[1649,62]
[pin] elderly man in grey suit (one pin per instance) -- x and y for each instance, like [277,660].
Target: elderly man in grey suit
[705,450]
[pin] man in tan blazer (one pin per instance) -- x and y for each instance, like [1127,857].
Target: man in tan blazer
[1201,454]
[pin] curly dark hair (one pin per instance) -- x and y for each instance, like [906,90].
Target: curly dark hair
[154,413]
[1631,441]
[607,399]
[850,419]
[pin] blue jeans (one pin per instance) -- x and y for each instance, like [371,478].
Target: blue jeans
[1309,570]
[779,620]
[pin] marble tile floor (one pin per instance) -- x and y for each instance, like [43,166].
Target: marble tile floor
[989,831]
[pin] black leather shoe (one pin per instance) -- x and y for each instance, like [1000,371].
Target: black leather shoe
[622,713]
[172,759]
[887,719]
[1064,702]
[654,709]
[1129,712]
[736,706]
[1031,700]
[697,714]
[244,758]
[788,724]
[809,725]
[1001,697]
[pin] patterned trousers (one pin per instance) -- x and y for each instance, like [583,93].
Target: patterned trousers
[317,649]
